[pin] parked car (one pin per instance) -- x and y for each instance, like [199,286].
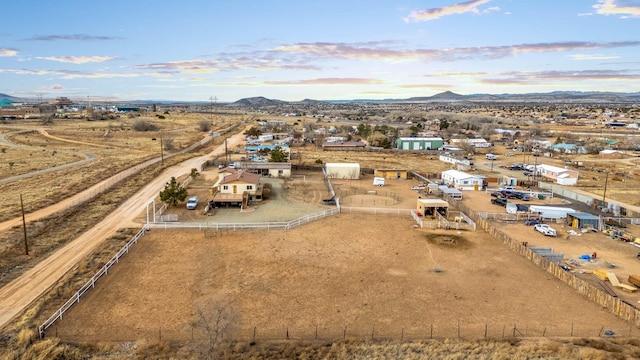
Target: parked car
[510,154]
[499,201]
[508,188]
[545,229]
[192,203]
[509,194]
[531,222]
[497,194]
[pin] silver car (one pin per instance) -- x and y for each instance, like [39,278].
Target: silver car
[192,203]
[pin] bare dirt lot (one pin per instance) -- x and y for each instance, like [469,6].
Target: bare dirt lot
[366,273]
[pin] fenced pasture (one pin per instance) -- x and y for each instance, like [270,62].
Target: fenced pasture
[324,274]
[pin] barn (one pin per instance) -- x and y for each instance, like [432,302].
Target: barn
[429,207]
[343,170]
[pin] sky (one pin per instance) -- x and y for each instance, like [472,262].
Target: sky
[223,51]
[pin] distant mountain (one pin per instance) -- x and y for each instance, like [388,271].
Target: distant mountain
[258,101]
[5,96]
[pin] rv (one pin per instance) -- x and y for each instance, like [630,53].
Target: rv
[491,157]
[378,181]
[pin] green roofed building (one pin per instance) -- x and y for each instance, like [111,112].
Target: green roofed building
[419,143]
[6,102]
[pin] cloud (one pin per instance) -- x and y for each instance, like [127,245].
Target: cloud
[57,87]
[4,52]
[78,59]
[610,7]
[593,57]
[226,64]
[72,37]
[427,86]
[328,81]
[435,13]
[360,52]
[70,74]
[531,77]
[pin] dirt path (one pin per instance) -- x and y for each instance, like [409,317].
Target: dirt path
[88,157]
[16,296]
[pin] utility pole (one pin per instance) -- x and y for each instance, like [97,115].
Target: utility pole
[161,151]
[24,227]
[606,180]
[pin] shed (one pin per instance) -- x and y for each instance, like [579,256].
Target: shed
[583,220]
[611,154]
[391,174]
[428,207]
[343,170]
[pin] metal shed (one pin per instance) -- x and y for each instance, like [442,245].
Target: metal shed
[583,221]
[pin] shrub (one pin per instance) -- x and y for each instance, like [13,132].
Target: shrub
[143,125]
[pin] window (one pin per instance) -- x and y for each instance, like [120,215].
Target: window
[249,187]
[225,187]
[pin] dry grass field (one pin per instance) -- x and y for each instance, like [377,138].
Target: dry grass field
[390,285]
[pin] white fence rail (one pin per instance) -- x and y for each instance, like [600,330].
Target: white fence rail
[285,225]
[57,315]
[375,211]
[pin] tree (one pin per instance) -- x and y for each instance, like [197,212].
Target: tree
[194,173]
[214,320]
[278,155]
[173,193]
[253,131]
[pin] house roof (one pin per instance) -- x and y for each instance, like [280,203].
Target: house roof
[564,146]
[420,139]
[459,174]
[610,151]
[434,203]
[343,144]
[554,168]
[244,177]
[583,216]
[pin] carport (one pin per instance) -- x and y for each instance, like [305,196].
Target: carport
[583,221]
[428,207]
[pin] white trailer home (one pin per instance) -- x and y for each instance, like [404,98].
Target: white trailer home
[349,171]
[461,180]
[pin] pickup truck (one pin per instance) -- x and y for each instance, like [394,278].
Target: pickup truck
[545,229]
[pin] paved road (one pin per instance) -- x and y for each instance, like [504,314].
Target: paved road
[16,296]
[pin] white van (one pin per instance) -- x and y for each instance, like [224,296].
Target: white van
[491,157]
[378,181]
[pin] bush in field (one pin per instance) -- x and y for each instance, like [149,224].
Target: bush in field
[167,144]
[205,125]
[143,125]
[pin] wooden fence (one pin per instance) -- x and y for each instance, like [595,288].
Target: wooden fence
[617,306]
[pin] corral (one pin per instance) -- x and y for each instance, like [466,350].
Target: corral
[346,275]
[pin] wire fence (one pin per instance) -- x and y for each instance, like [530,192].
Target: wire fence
[425,331]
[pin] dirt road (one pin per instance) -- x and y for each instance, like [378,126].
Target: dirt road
[16,296]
